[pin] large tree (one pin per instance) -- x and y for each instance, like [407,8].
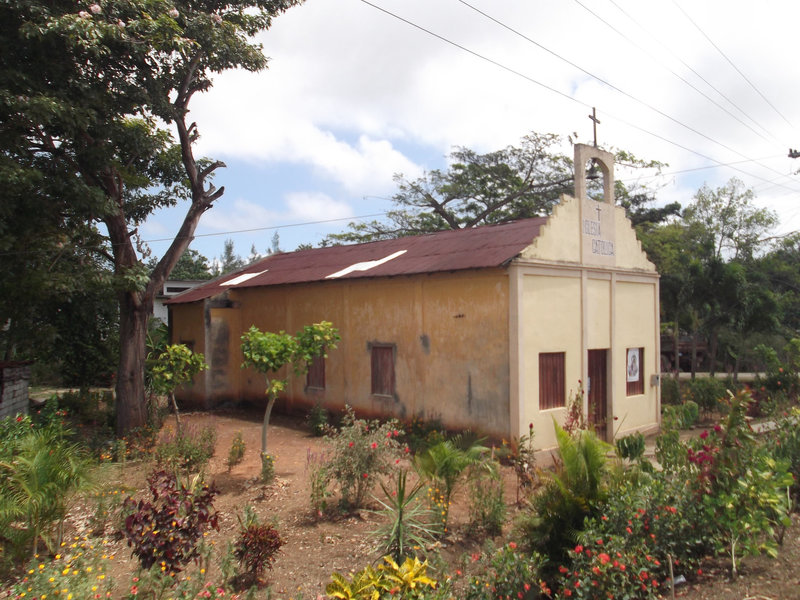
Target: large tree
[94,105]
[515,182]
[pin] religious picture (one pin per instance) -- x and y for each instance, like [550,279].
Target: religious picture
[633,364]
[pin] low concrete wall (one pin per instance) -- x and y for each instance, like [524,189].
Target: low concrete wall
[14,377]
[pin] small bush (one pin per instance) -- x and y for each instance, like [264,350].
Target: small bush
[706,392]
[187,448]
[317,420]
[604,570]
[82,571]
[408,581]
[236,453]
[267,468]
[506,572]
[360,450]
[690,413]
[422,434]
[167,529]
[670,391]
[257,545]
[487,507]
[631,447]
[406,532]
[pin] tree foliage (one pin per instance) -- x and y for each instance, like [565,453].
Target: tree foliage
[269,352]
[87,92]
[513,183]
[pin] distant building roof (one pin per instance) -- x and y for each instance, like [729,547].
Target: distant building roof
[453,250]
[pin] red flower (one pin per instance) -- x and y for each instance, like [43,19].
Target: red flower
[350,445]
[512,545]
[527,586]
[604,558]
[374,445]
[562,569]
[704,435]
[364,475]
[406,449]
[578,549]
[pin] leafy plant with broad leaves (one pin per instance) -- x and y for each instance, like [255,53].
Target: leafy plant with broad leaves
[167,528]
[175,366]
[408,580]
[257,545]
[268,353]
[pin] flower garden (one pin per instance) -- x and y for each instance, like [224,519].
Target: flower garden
[368,509]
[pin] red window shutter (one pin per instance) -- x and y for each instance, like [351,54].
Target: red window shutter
[552,380]
[383,370]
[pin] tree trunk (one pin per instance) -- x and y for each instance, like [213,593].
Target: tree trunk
[694,353]
[267,413]
[712,353]
[676,340]
[131,404]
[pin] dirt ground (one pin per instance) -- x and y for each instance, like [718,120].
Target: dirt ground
[314,548]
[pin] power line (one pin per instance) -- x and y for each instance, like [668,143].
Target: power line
[730,62]
[677,75]
[651,35]
[564,95]
[590,74]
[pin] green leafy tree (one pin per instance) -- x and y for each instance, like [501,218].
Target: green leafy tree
[229,261]
[515,182]
[175,366]
[268,353]
[190,266]
[87,93]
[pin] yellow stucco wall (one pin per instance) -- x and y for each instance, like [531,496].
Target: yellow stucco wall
[450,332]
[584,284]
[636,303]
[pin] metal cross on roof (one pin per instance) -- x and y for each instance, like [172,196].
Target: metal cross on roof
[595,123]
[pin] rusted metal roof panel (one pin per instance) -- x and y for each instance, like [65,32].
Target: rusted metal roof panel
[476,248]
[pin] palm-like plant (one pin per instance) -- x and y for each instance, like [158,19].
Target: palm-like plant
[38,484]
[444,464]
[572,492]
[406,530]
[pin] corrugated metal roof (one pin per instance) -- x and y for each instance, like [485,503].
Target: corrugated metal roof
[476,248]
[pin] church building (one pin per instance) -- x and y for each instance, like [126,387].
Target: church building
[490,329]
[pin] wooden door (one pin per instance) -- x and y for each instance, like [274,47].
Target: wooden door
[598,392]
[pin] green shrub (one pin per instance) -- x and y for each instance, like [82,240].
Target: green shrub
[606,569]
[706,392]
[670,391]
[784,444]
[631,447]
[317,420]
[690,413]
[236,453]
[186,448]
[267,468]
[421,433]
[506,572]
[487,507]
[408,580]
[81,572]
[361,450]
[444,464]
[37,483]
[572,492]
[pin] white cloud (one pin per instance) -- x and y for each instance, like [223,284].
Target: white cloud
[353,93]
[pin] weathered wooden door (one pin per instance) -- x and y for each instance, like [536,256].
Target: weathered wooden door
[598,392]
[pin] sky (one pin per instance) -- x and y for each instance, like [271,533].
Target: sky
[360,90]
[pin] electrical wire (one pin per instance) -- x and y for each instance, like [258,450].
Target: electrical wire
[575,100]
[730,62]
[651,35]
